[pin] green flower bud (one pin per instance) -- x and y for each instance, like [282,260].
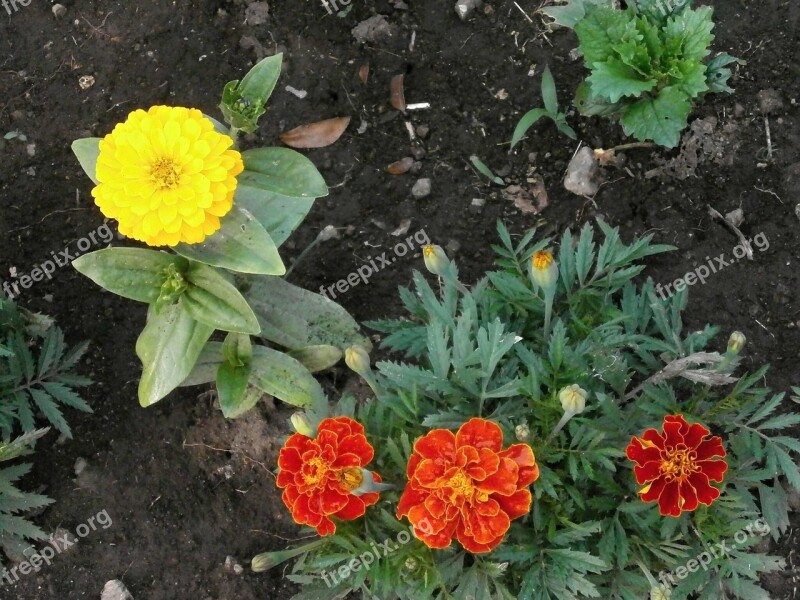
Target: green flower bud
[357,359]
[573,399]
[544,270]
[302,425]
[436,260]
[660,592]
[736,342]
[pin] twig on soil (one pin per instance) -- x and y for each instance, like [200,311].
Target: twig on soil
[523,12]
[769,138]
[768,192]
[764,328]
[44,218]
[231,451]
[308,537]
[742,240]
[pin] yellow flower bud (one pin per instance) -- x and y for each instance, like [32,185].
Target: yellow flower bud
[660,592]
[544,269]
[357,359]
[436,260]
[302,425]
[573,399]
[736,342]
[523,432]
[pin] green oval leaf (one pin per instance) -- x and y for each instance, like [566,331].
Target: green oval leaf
[282,171]
[234,397]
[279,215]
[280,375]
[213,300]
[168,347]
[260,81]
[87,150]
[206,366]
[296,318]
[242,245]
[134,273]
[317,358]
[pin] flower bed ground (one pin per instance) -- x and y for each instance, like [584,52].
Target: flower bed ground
[185,489]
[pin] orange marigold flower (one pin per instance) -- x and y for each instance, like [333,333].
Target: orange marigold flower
[677,464]
[318,475]
[466,486]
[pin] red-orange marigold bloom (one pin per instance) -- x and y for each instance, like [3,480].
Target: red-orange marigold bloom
[319,474]
[677,464]
[466,486]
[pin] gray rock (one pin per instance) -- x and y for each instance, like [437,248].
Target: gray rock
[115,590]
[59,10]
[583,174]
[421,189]
[374,30]
[465,8]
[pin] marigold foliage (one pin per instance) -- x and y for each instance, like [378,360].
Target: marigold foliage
[480,353]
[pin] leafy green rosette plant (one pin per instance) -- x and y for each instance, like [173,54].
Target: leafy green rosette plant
[173,177]
[654,470]
[649,64]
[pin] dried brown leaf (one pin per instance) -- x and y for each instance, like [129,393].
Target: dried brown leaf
[363,73]
[316,135]
[401,166]
[398,93]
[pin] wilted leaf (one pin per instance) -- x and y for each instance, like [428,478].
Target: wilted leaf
[363,73]
[532,200]
[401,166]
[316,135]
[398,93]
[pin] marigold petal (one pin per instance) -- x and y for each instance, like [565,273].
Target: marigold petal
[410,498]
[642,451]
[653,490]
[485,529]
[709,448]
[503,481]
[355,508]
[694,435]
[357,444]
[669,500]
[713,469]
[326,527]
[515,505]
[706,493]
[522,454]
[647,472]
[438,444]
[480,433]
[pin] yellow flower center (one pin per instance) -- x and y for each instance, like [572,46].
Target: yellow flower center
[318,469]
[461,485]
[164,173]
[428,251]
[679,464]
[542,259]
[350,478]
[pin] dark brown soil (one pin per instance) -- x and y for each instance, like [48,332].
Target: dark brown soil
[185,489]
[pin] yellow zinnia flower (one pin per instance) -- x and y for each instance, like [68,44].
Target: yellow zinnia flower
[166,176]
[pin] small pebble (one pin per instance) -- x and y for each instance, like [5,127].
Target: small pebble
[422,188]
[80,465]
[115,590]
[465,8]
[59,10]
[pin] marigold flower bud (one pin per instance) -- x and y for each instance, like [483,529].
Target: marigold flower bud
[736,342]
[357,359]
[573,399]
[436,260]
[302,425]
[523,432]
[544,269]
[660,592]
